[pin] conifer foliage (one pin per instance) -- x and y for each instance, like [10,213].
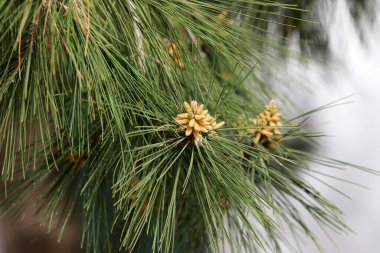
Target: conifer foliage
[99,120]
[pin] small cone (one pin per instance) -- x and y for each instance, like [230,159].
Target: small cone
[268,122]
[197,121]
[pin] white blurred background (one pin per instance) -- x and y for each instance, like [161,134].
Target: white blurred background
[351,68]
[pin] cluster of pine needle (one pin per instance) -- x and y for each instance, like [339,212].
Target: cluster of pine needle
[92,125]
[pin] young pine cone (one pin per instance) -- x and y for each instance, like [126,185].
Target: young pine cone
[174,53]
[268,122]
[197,121]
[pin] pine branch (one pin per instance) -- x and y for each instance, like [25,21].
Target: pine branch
[93,119]
[138,34]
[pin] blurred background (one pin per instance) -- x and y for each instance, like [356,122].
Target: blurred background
[345,60]
[339,56]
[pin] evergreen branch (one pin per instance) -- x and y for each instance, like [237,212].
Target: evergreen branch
[91,120]
[138,34]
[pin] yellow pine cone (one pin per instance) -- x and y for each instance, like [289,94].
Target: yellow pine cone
[174,53]
[223,18]
[268,122]
[196,120]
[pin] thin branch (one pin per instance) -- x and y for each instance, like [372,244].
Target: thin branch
[138,34]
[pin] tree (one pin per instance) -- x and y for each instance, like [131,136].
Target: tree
[148,118]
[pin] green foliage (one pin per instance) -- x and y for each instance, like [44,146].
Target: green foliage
[89,91]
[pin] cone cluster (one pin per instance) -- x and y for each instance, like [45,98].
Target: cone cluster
[196,120]
[268,122]
[174,53]
[223,18]
[133,196]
